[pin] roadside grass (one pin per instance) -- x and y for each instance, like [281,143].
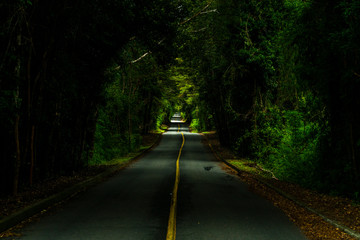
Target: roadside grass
[147,142]
[121,160]
[127,158]
[161,129]
[343,210]
[252,167]
[206,132]
[194,130]
[243,164]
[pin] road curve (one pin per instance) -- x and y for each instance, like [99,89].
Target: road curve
[135,204]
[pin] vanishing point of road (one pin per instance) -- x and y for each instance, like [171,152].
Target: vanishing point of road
[177,190]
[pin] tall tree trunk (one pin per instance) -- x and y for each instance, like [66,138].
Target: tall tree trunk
[32,155]
[17,159]
[147,114]
[353,153]
[129,125]
[17,122]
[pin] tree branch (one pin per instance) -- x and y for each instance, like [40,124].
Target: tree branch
[210,11]
[198,13]
[182,23]
[136,60]
[265,170]
[200,30]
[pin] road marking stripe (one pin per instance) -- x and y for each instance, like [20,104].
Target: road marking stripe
[171,231]
[178,127]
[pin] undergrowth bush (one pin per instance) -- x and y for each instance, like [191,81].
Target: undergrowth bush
[195,125]
[284,142]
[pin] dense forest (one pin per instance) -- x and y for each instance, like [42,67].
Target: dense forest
[279,80]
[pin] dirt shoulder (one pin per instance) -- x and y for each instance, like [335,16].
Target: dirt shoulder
[342,210]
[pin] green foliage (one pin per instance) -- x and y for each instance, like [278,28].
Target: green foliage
[53,55]
[275,74]
[186,97]
[296,156]
[186,92]
[107,144]
[288,144]
[195,126]
[26,2]
[279,80]
[137,100]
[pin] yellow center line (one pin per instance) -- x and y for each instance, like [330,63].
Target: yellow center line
[178,127]
[171,231]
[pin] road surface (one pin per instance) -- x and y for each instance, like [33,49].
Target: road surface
[135,204]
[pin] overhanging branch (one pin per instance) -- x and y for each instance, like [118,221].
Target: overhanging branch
[210,11]
[202,11]
[136,60]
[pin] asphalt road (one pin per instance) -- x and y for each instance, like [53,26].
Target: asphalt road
[134,204]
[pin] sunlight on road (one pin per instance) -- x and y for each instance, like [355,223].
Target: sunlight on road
[177,118]
[177,125]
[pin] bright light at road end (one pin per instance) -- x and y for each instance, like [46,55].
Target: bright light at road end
[176,118]
[177,133]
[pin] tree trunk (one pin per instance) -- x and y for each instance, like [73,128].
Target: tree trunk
[353,153]
[17,122]
[17,159]
[129,125]
[32,155]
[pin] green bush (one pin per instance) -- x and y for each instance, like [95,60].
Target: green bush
[286,144]
[195,125]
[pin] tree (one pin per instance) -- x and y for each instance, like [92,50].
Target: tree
[54,55]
